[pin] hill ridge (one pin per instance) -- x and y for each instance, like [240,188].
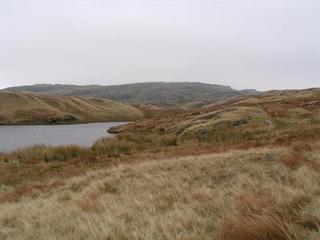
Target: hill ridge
[142,93]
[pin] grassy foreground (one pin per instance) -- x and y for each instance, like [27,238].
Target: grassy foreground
[243,169]
[30,108]
[250,194]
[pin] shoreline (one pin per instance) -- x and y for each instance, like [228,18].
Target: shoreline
[45,132]
[61,124]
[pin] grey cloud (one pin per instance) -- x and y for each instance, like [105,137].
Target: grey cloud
[245,44]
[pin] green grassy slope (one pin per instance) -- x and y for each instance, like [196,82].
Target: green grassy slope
[29,108]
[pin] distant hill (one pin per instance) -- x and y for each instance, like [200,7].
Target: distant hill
[30,108]
[142,93]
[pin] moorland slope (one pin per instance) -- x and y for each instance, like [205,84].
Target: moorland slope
[29,108]
[272,116]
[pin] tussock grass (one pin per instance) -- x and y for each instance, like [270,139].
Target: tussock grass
[112,147]
[130,143]
[245,194]
[44,153]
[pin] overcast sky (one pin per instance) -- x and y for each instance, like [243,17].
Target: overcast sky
[262,44]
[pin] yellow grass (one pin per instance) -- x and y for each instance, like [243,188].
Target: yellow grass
[237,195]
[30,108]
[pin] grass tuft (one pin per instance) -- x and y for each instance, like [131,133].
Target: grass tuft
[43,153]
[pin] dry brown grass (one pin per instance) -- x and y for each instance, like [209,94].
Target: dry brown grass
[44,153]
[31,108]
[262,227]
[256,218]
[245,194]
[32,190]
[292,160]
[244,178]
[90,202]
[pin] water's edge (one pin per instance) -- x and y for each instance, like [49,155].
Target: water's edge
[14,137]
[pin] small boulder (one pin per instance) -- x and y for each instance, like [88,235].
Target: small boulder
[203,133]
[113,130]
[240,122]
[163,130]
[268,122]
[69,118]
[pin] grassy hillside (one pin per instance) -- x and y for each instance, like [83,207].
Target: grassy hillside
[28,108]
[272,116]
[143,93]
[242,169]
